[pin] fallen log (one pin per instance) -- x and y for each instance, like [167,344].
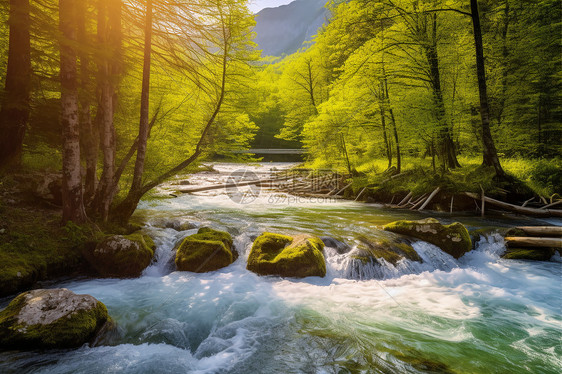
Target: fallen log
[534,242]
[343,189]
[429,198]
[517,208]
[542,230]
[404,200]
[552,204]
[361,193]
[418,202]
[230,185]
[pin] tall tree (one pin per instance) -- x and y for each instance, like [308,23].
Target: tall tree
[14,114]
[88,132]
[136,186]
[72,201]
[109,42]
[490,154]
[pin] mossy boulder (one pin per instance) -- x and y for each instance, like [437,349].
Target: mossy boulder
[208,250]
[55,318]
[453,239]
[123,256]
[533,254]
[392,251]
[299,256]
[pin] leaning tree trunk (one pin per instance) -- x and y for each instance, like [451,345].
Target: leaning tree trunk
[15,100]
[72,203]
[490,155]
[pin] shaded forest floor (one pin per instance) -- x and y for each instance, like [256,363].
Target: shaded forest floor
[33,244]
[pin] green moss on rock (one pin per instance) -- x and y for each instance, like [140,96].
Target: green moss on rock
[208,250]
[121,255]
[275,254]
[453,239]
[55,318]
[389,250]
[534,254]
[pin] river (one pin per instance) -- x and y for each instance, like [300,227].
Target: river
[478,314]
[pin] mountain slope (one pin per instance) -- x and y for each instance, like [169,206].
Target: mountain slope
[284,29]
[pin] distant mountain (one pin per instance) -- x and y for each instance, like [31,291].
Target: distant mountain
[284,29]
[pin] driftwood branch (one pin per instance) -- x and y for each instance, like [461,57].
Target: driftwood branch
[542,230]
[517,208]
[534,242]
[406,199]
[430,198]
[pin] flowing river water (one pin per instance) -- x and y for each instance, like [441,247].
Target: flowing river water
[478,314]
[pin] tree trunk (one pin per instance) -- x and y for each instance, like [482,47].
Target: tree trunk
[490,155]
[109,38]
[127,207]
[394,129]
[88,135]
[446,144]
[385,137]
[15,101]
[72,203]
[144,109]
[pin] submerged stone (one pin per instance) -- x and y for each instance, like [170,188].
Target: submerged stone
[54,318]
[391,251]
[300,256]
[453,239]
[533,254]
[121,256]
[208,250]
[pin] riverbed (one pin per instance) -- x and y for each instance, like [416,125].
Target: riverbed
[478,314]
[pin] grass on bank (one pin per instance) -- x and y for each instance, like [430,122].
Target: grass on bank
[543,177]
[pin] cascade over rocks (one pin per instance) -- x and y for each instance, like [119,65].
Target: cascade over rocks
[208,250]
[390,250]
[453,239]
[123,256]
[53,318]
[300,256]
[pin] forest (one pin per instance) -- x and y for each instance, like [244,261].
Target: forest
[124,95]
[385,198]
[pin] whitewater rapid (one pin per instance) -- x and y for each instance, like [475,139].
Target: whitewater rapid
[478,314]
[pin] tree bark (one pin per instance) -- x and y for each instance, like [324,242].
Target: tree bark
[72,203]
[109,38]
[88,133]
[14,114]
[490,155]
[446,143]
[145,101]
[127,207]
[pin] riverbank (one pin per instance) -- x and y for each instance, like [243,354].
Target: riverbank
[442,314]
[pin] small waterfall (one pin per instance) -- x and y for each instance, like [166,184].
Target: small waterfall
[487,249]
[346,266]
[164,256]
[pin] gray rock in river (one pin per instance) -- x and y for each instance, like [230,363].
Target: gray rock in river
[54,318]
[391,250]
[121,256]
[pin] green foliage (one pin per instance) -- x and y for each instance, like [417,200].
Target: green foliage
[548,174]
